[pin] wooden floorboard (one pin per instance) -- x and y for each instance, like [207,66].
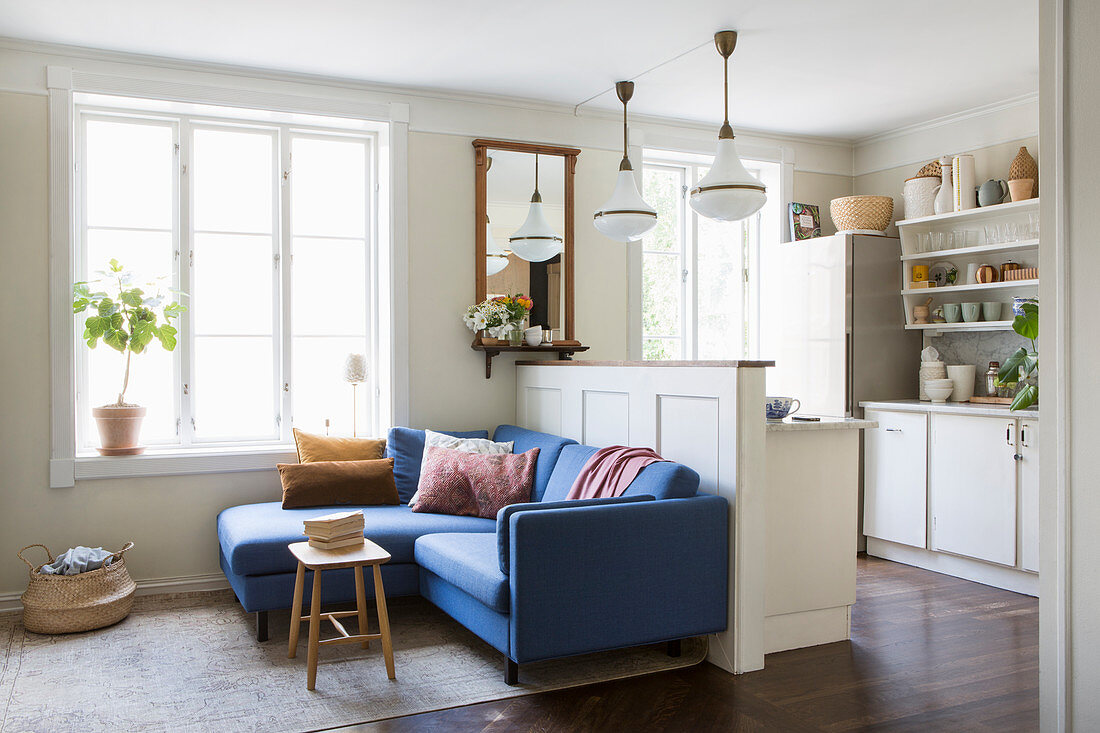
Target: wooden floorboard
[928,653]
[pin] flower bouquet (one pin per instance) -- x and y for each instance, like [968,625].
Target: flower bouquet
[500,317]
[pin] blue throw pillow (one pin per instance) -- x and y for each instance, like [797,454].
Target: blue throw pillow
[406,447]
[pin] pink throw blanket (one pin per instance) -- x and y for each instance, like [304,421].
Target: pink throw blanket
[610,470]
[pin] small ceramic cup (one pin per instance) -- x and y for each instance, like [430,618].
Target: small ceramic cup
[777,408]
[951,312]
[971,311]
[991,310]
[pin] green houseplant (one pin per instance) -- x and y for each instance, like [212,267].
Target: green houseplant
[128,320]
[1022,367]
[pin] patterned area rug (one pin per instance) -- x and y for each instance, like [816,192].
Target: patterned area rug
[190,662]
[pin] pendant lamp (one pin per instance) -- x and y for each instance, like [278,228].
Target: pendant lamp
[496,257]
[727,192]
[626,216]
[536,241]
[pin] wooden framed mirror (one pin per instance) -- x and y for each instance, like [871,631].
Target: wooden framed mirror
[505,175]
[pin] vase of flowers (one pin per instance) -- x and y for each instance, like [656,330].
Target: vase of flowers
[501,317]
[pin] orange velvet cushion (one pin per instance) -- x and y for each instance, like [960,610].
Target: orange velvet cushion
[313,448]
[332,483]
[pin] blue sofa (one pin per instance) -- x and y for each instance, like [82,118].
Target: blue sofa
[545,579]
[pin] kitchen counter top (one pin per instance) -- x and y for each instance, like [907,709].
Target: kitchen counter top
[826,423]
[957,408]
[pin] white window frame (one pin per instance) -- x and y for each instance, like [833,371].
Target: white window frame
[388,342]
[780,172]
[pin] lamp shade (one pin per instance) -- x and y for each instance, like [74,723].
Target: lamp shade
[536,241]
[728,192]
[496,257]
[626,216]
[355,368]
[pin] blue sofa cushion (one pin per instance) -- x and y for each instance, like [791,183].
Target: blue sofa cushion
[663,480]
[550,446]
[254,537]
[406,447]
[467,561]
[508,511]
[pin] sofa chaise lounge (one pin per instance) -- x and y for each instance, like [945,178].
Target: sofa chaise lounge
[545,579]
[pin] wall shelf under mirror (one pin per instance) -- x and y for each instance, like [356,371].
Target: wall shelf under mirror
[512,179]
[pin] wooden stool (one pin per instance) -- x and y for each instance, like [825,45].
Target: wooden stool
[345,557]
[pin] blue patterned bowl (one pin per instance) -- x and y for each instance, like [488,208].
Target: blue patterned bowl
[777,408]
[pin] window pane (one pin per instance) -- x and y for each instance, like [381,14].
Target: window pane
[149,256]
[320,391]
[231,287]
[663,191]
[234,387]
[721,323]
[129,168]
[328,187]
[233,179]
[661,349]
[330,287]
[660,295]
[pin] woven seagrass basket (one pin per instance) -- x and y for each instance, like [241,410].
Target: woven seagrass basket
[63,604]
[862,213]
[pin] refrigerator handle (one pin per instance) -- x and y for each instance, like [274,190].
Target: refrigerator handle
[848,375]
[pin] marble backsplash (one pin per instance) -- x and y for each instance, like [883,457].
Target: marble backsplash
[978,349]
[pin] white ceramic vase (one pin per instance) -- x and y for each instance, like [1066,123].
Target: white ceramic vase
[920,196]
[963,377]
[945,199]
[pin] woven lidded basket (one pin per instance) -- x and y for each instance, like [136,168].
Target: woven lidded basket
[862,213]
[63,604]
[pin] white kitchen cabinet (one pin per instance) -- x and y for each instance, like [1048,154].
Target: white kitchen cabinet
[895,499]
[972,485]
[1028,451]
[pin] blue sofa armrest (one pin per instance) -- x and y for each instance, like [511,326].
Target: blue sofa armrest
[584,579]
[503,515]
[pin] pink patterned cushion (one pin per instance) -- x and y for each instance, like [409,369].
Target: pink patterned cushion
[474,484]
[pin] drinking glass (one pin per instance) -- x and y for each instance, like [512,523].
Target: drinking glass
[939,240]
[1033,225]
[992,236]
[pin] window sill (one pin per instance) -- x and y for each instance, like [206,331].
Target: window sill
[66,471]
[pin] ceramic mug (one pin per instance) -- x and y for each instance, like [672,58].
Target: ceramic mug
[971,311]
[777,408]
[951,312]
[991,310]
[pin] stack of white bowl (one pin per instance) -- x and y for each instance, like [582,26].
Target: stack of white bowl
[939,389]
[930,370]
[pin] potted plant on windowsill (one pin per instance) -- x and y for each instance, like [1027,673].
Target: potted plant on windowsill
[127,319]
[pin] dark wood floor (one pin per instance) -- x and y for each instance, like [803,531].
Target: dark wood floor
[928,653]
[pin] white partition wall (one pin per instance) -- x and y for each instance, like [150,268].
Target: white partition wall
[706,415]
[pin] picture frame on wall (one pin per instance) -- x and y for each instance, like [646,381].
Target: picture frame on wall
[805,221]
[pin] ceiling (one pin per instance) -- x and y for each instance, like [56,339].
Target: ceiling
[844,69]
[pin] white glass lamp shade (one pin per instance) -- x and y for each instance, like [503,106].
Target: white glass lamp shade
[496,257]
[626,216]
[728,192]
[355,369]
[536,241]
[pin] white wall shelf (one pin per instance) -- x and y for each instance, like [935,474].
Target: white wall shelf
[970,287]
[961,326]
[980,212]
[1022,245]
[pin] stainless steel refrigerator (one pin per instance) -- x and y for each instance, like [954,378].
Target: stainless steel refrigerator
[831,317]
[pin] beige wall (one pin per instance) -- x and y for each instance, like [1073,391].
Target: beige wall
[820,189]
[989,162]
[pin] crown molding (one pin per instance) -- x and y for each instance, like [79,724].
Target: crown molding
[984,110]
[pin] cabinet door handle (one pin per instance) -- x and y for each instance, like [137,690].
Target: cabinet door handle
[1023,435]
[1017,457]
[893,430]
[1008,435]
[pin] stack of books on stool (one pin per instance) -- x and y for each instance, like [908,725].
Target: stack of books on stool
[332,531]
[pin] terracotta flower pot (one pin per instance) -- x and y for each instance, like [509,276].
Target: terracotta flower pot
[1021,188]
[119,429]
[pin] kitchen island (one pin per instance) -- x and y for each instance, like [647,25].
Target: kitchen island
[812,489]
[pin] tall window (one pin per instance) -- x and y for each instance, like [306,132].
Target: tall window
[268,227]
[698,283]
